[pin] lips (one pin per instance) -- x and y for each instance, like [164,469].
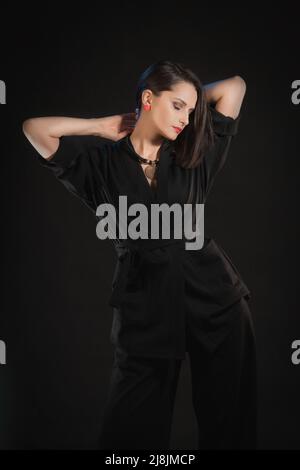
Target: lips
[177,129]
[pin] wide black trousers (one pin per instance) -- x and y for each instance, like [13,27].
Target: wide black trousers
[139,409]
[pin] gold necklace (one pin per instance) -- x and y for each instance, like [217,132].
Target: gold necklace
[151,166]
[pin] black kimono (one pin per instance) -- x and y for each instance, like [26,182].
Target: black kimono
[158,286]
[168,300]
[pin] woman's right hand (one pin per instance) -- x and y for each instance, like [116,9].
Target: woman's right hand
[115,127]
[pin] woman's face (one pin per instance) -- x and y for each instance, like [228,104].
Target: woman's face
[172,109]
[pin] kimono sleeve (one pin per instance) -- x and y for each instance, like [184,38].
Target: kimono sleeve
[81,164]
[225,128]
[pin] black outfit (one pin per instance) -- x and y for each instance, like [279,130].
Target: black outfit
[167,300]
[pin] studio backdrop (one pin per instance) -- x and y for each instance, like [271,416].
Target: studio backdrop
[55,320]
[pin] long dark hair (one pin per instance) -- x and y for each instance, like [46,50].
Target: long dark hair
[198,136]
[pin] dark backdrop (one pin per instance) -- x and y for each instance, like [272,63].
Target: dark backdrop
[56,274]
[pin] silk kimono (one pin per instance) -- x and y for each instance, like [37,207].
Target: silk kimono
[159,289]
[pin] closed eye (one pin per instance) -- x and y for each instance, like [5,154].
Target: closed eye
[176,107]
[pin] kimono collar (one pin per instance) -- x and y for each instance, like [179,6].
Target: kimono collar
[165,160]
[166,146]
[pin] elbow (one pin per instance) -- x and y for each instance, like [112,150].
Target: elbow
[31,128]
[240,82]
[27,126]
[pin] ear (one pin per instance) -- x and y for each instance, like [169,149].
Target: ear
[147,96]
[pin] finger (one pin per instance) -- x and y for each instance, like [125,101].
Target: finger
[127,129]
[129,126]
[129,119]
[123,134]
[128,115]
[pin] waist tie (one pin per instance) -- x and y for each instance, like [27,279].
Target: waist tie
[148,254]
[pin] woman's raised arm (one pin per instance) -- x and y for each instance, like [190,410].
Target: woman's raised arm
[44,132]
[227,94]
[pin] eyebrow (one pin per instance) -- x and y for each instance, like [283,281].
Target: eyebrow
[183,102]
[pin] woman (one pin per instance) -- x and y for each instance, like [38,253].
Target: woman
[166,300]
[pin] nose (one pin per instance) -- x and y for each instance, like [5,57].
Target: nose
[185,120]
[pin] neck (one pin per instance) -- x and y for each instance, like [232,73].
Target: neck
[145,142]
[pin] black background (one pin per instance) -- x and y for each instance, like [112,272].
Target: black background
[56,274]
